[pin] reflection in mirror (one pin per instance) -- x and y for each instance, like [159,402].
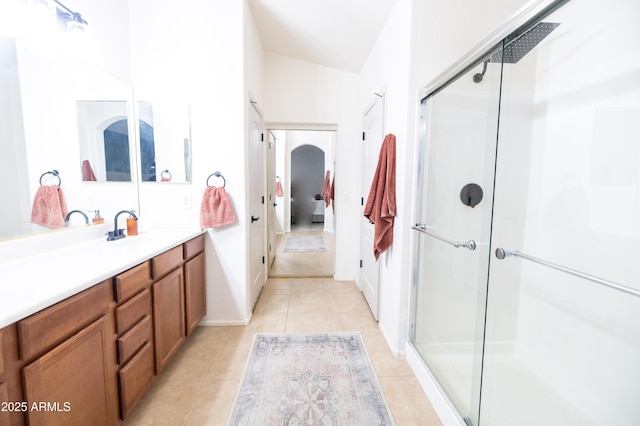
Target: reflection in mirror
[14,180]
[103,131]
[39,132]
[165,141]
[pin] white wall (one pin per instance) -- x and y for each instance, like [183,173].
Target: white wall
[420,40]
[206,42]
[387,69]
[309,94]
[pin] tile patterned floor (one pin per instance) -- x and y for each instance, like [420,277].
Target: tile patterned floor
[199,385]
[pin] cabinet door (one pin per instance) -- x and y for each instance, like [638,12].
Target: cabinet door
[195,291]
[168,317]
[4,397]
[69,385]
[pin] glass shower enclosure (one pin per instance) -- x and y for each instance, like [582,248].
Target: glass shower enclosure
[526,295]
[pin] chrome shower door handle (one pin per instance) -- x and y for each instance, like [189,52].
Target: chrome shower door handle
[469,244]
[503,254]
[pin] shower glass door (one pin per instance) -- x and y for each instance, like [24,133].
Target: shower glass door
[452,232]
[564,349]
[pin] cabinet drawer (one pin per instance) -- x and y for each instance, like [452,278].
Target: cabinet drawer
[132,311]
[133,339]
[193,247]
[132,281]
[166,262]
[52,325]
[135,378]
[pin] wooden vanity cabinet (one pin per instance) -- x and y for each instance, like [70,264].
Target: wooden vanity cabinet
[4,388]
[134,342]
[90,358]
[168,316]
[68,361]
[194,283]
[178,298]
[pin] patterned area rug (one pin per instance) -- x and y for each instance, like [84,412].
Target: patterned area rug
[304,243]
[309,379]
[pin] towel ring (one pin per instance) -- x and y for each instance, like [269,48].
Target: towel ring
[218,174]
[52,172]
[167,172]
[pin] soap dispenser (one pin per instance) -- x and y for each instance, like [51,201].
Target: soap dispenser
[132,225]
[97,218]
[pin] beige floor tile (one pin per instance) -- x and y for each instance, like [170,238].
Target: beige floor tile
[318,303]
[199,385]
[354,303]
[273,304]
[304,264]
[213,405]
[277,286]
[408,403]
[310,323]
[231,362]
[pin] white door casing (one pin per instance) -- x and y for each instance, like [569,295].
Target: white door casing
[271,198]
[372,138]
[256,204]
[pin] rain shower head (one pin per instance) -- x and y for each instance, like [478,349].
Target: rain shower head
[517,48]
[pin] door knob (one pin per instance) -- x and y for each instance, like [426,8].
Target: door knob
[253,218]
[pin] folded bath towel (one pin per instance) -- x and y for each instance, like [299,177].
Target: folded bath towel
[381,203]
[279,191]
[49,207]
[87,172]
[216,208]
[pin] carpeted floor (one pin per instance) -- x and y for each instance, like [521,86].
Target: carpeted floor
[310,379]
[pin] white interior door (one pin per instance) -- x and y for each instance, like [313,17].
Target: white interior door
[373,135]
[271,199]
[256,204]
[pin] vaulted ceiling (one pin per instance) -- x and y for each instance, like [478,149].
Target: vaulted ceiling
[334,33]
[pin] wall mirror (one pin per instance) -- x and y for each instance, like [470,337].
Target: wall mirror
[164,141]
[103,131]
[39,132]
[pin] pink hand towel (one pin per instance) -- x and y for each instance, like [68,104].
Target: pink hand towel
[326,189]
[49,207]
[216,209]
[381,203]
[87,172]
[279,191]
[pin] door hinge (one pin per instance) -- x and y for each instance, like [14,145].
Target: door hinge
[263,260]
[362,201]
[261,137]
[363,136]
[263,199]
[361,263]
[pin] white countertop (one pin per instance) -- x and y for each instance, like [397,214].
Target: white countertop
[30,284]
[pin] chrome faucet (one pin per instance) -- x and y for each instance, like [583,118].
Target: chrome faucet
[116,234]
[66,218]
